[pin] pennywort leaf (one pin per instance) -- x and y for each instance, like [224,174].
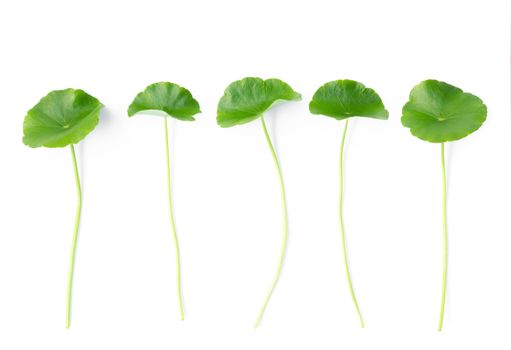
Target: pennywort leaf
[62,118]
[167,97]
[343,99]
[246,100]
[177,102]
[438,112]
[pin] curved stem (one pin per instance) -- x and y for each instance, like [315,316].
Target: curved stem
[341,225]
[284,235]
[444,223]
[171,214]
[75,238]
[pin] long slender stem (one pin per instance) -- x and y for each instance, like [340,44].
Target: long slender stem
[341,225]
[284,234]
[75,238]
[444,223]
[171,214]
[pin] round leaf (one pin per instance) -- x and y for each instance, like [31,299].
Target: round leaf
[341,99]
[170,98]
[439,112]
[246,99]
[61,118]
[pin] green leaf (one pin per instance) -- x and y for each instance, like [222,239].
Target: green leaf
[247,99]
[341,99]
[170,98]
[439,112]
[61,118]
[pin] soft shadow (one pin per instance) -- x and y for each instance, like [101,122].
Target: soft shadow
[449,156]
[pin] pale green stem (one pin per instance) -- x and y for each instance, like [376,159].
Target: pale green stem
[284,235]
[171,214]
[341,225]
[75,238]
[444,222]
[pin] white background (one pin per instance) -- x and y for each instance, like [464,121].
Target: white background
[225,187]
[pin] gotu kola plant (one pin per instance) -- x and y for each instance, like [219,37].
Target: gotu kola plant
[176,102]
[438,112]
[246,100]
[63,118]
[344,99]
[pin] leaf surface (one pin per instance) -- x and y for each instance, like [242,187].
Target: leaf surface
[439,112]
[341,99]
[61,118]
[174,100]
[247,99]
